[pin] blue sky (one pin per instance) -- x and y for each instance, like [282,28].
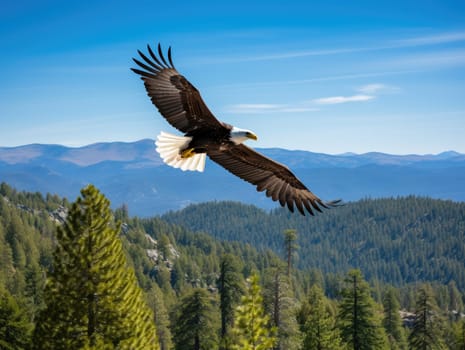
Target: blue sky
[324,76]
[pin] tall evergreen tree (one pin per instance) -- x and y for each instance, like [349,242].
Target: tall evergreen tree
[459,335]
[194,324]
[392,322]
[319,328]
[358,321]
[456,302]
[156,301]
[15,328]
[281,305]
[428,324]
[230,287]
[290,236]
[251,328]
[92,296]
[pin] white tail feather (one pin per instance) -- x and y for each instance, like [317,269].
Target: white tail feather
[169,146]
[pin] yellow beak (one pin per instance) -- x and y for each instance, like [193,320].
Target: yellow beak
[252,136]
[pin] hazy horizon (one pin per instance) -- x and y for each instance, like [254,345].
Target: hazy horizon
[257,148]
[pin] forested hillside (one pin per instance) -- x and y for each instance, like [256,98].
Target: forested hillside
[185,273]
[396,240]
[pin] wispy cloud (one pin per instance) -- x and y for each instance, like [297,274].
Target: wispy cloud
[291,54]
[342,99]
[388,44]
[261,108]
[369,92]
[447,58]
[322,78]
[377,88]
[442,38]
[372,88]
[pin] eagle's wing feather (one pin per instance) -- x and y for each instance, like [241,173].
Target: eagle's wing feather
[174,96]
[268,175]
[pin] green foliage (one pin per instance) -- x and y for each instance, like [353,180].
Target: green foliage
[392,322]
[458,340]
[251,330]
[92,296]
[15,328]
[230,288]
[281,304]
[397,240]
[428,324]
[194,325]
[157,303]
[290,236]
[358,319]
[319,328]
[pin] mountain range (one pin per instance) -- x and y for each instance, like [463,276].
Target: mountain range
[132,173]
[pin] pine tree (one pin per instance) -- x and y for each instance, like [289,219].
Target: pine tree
[290,237]
[92,297]
[459,335]
[428,324]
[157,303]
[281,305]
[392,322]
[251,328]
[230,287]
[456,302]
[15,328]
[319,329]
[360,327]
[194,325]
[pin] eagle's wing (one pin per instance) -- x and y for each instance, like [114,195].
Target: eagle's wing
[270,176]
[174,96]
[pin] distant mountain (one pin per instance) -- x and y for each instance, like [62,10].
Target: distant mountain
[132,173]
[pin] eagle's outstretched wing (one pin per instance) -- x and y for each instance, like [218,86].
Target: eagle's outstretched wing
[270,176]
[174,96]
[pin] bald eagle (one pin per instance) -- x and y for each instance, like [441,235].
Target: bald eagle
[180,103]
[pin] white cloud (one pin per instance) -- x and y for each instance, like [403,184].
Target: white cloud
[258,108]
[342,99]
[393,44]
[372,88]
[377,88]
[433,39]
[446,58]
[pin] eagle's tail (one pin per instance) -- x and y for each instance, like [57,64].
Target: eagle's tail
[169,147]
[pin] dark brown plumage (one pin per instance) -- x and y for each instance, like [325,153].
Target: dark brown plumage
[180,103]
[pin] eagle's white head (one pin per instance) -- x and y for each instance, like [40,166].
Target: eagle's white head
[238,135]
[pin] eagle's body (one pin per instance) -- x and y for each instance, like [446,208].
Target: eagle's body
[182,106]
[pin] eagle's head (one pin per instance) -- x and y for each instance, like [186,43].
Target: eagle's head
[238,135]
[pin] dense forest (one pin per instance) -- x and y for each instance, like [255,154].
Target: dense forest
[394,240]
[211,270]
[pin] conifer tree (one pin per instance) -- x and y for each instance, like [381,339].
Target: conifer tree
[428,324]
[360,327]
[281,305]
[15,328]
[290,237]
[456,302]
[319,329]
[392,322]
[230,287]
[251,328]
[92,297]
[156,301]
[459,335]
[194,326]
